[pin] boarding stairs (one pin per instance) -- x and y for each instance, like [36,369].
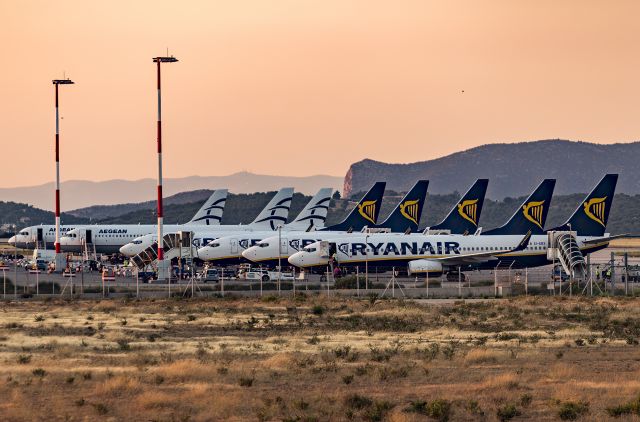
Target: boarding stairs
[564,248]
[89,251]
[171,247]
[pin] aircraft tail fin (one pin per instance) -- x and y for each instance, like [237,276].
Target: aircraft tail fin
[276,212]
[591,216]
[532,214]
[365,212]
[210,213]
[314,214]
[406,215]
[465,215]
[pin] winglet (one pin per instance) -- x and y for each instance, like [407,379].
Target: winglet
[523,243]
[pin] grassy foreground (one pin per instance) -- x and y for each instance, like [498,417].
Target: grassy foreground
[318,359]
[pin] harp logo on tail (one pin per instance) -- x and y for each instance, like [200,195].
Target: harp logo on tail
[368,210]
[409,209]
[468,210]
[533,211]
[595,209]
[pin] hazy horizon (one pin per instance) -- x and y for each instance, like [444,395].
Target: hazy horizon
[296,89]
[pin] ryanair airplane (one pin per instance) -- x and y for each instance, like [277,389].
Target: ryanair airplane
[266,252]
[110,238]
[44,236]
[436,254]
[232,249]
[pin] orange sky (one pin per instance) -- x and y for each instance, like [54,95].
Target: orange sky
[307,87]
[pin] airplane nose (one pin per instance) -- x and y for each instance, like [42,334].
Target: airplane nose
[249,253]
[203,253]
[12,240]
[126,250]
[297,259]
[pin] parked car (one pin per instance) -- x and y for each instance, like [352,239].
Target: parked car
[560,275]
[210,274]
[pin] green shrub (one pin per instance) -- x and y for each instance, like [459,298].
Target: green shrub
[39,372]
[246,381]
[101,408]
[525,400]
[378,411]
[632,407]
[570,410]
[437,409]
[508,412]
[123,344]
[349,282]
[24,359]
[358,402]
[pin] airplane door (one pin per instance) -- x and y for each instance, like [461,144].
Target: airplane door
[88,237]
[284,247]
[40,235]
[332,248]
[234,246]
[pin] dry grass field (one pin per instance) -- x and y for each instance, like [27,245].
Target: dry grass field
[317,359]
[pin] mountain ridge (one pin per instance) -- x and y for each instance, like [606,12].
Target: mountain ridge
[77,194]
[513,169]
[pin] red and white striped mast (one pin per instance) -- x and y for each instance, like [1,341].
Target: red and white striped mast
[158,61]
[57,82]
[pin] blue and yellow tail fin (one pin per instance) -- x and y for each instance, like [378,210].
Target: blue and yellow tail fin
[365,212]
[465,215]
[532,214]
[405,217]
[591,216]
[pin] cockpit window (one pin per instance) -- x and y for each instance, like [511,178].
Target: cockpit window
[214,244]
[263,244]
[311,249]
[24,233]
[137,242]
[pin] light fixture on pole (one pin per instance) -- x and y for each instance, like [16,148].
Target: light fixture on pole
[59,259]
[162,268]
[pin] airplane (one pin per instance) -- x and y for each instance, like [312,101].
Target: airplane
[227,249]
[110,238]
[201,238]
[404,218]
[273,214]
[436,254]
[44,235]
[465,215]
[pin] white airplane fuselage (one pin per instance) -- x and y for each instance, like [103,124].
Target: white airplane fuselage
[202,235]
[109,238]
[42,236]
[398,250]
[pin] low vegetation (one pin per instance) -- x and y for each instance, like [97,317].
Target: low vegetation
[320,359]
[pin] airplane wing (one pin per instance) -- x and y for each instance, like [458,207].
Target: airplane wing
[474,258]
[603,239]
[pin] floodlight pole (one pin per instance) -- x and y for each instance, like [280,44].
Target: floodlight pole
[158,61]
[59,256]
